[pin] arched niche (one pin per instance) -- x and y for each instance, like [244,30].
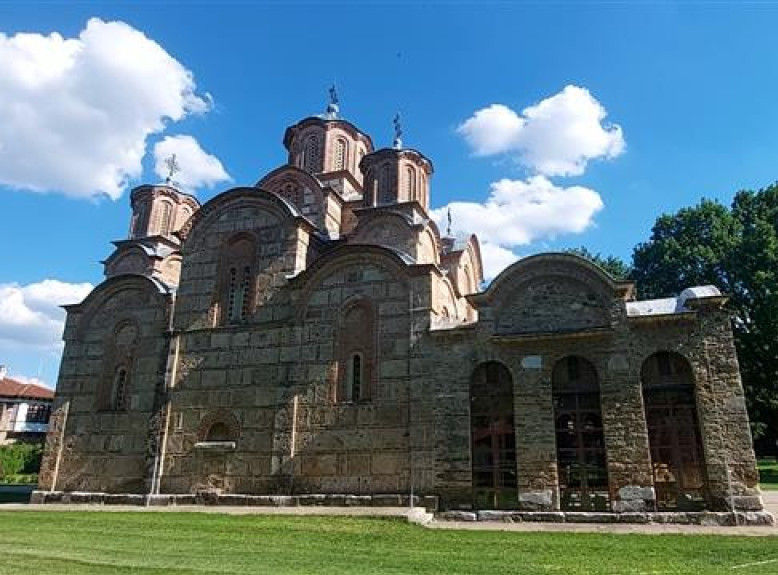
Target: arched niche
[580,443]
[356,351]
[674,435]
[493,437]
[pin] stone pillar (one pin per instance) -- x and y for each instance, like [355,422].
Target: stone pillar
[451,363]
[733,479]
[55,443]
[626,436]
[538,480]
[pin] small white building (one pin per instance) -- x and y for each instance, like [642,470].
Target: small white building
[24,410]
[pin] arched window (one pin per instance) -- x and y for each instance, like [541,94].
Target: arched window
[341,154]
[385,192]
[237,280]
[493,437]
[468,287]
[312,154]
[580,442]
[139,221]
[356,345]
[114,391]
[119,389]
[673,432]
[183,216]
[165,218]
[291,192]
[218,431]
[238,293]
[410,183]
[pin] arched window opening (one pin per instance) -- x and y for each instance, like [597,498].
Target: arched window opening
[218,431]
[119,390]
[164,223]
[113,392]
[291,191]
[674,437]
[238,281]
[468,287]
[410,183]
[238,294]
[356,335]
[139,222]
[312,154]
[493,437]
[580,442]
[341,154]
[184,214]
[385,185]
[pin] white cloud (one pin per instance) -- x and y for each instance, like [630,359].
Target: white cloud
[198,168]
[75,113]
[556,137]
[518,212]
[30,316]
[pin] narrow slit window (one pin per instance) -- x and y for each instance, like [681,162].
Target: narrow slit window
[120,389]
[245,286]
[232,294]
[340,155]
[164,226]
[355,378]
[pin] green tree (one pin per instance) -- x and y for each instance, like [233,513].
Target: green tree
[736,250]
[692,247]
[616,267]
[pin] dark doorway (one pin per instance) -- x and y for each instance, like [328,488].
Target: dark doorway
[580,445]
[673,433]
[493,437]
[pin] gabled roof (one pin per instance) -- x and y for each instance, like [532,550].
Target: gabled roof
[17,390]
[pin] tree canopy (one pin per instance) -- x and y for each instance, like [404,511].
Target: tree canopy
[735,249]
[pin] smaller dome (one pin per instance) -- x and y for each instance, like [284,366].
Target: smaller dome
[394,176]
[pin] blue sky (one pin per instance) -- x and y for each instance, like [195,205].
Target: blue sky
[691,86]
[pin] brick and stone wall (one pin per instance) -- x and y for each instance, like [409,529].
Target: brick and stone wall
[242,380]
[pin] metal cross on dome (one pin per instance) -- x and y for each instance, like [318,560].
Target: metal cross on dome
[398,131]
[172,168]
[334,95]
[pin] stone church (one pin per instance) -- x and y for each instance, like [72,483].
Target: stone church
[316,335]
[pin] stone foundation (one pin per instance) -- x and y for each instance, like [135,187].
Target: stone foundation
[706,518]
[430,503]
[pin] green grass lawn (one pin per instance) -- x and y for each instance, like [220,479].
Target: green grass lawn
[768,474]
[149,543]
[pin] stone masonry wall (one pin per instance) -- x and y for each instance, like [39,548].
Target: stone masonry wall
[277,379]
[101,449]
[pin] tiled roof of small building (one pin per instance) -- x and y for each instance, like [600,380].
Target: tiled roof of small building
[17,390]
